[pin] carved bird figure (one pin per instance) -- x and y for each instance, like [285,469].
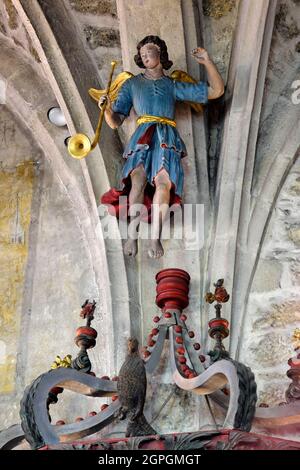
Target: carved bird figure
[132,385]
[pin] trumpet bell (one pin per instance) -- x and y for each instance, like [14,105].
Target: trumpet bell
[79,146]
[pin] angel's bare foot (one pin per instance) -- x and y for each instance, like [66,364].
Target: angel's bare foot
[130,247]
[156,250]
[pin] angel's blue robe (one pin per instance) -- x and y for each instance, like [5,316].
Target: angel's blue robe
[166,148]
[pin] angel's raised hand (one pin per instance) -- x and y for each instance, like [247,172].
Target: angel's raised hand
[201,55]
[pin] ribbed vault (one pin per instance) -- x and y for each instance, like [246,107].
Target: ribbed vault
[242,164]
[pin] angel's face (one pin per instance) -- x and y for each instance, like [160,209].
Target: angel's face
[150,55]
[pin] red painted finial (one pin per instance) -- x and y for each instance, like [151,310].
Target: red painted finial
[172,289]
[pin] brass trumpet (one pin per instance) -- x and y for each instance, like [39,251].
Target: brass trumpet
[79,146]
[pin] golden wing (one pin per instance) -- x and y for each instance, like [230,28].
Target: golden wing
[181,76]
[114,88]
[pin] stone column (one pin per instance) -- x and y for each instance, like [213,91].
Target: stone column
[244,95]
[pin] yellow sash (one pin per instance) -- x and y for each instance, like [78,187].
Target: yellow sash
[159,119]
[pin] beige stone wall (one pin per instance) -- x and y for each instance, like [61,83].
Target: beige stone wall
[219,24]
[12,26]
[273,310]
[274,304]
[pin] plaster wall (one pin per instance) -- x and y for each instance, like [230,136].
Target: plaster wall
[17,176]
[46,271]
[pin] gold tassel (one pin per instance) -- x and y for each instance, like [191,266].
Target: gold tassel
[59,362]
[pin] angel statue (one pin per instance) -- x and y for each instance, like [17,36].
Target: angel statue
[152,173]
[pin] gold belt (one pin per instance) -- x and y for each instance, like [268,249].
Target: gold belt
[159,119]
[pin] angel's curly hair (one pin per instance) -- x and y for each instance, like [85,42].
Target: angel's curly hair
[164,57]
